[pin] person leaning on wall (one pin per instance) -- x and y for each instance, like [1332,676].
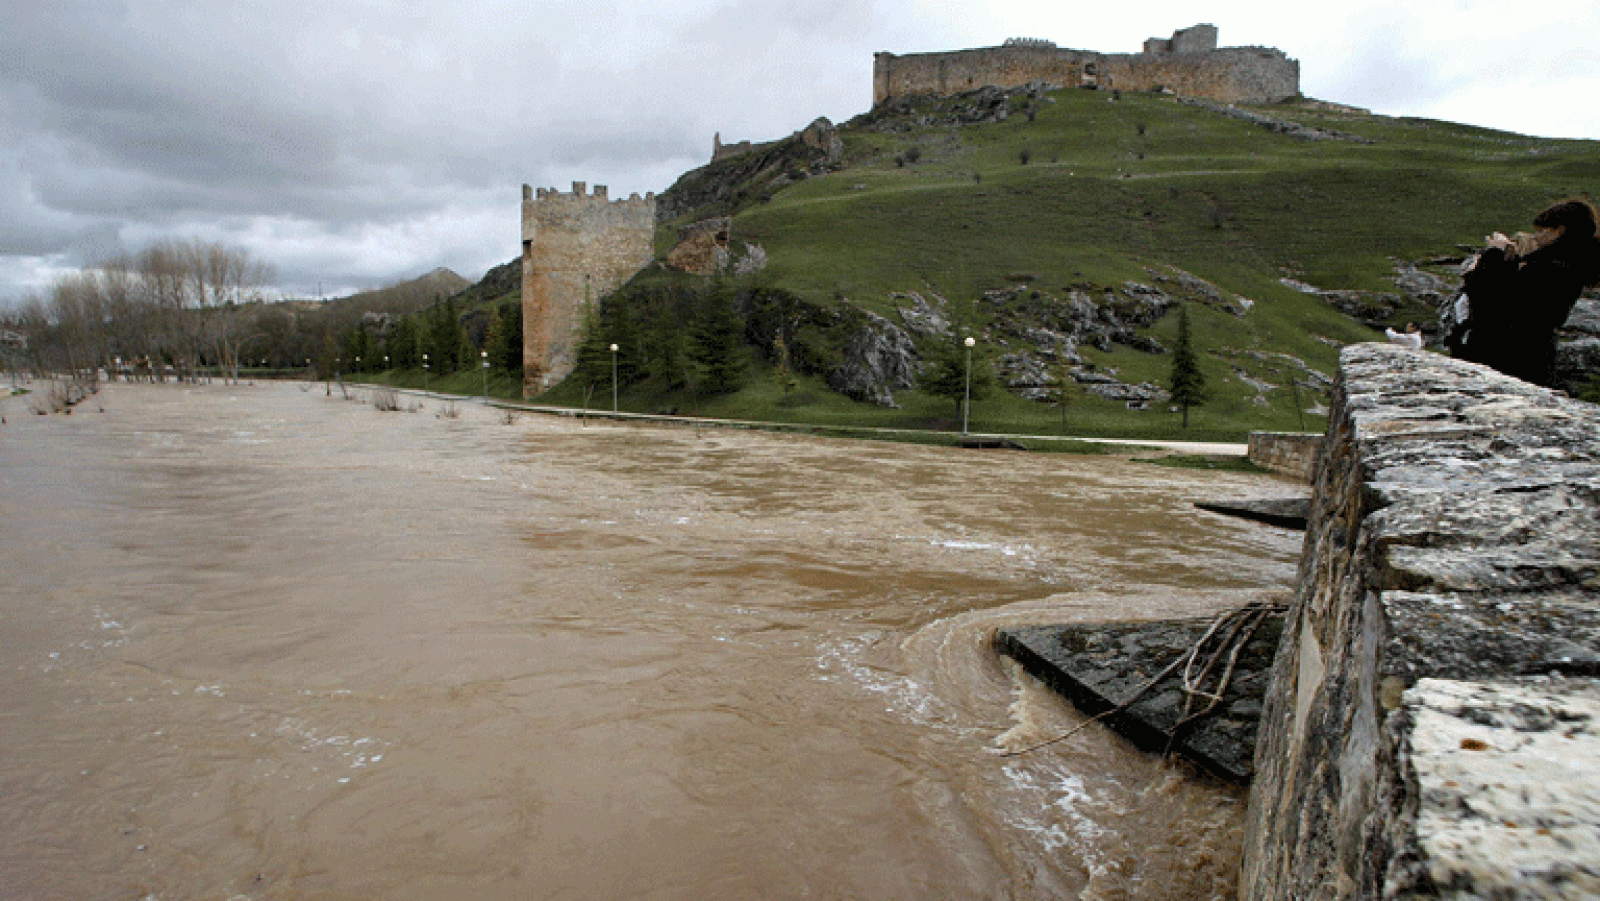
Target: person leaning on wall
[1411,337]
[1520,290]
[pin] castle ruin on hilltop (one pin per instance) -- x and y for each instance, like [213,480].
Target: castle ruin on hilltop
[576,248]
[1189,63]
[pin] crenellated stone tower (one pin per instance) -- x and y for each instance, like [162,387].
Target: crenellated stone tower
[576,248]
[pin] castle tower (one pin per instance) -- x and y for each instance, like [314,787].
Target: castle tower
[576,248]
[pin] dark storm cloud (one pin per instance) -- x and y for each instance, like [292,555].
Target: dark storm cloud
[357,121]
[351,142]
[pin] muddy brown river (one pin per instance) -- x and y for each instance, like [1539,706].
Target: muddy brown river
[257,642]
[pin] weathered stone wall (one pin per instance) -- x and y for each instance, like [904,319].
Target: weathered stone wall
[1291,453]
[1189,64]
[1431,730]
[575,248]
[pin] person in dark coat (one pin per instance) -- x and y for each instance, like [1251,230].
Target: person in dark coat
[1520,290]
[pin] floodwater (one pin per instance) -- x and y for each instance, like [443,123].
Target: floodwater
[259,642]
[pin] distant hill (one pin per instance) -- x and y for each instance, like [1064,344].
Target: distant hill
[1060,226]
[405,297]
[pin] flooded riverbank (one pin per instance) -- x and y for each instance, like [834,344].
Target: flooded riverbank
[261,642]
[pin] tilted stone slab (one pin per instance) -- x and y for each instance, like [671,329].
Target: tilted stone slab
[1283,512]
[1101,667]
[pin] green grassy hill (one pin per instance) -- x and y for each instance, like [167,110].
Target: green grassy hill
[1086,192]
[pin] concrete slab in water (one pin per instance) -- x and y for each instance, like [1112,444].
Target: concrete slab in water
[1285,512]
[1099,667]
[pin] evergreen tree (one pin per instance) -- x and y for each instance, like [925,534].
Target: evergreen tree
[946,374]
[505,338]
[401,345]
[718,342]
[594,351]
[445,338]
[1064,389]
[782,368]
[1187,382]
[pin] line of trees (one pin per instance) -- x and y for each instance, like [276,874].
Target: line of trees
[181,308]
[173,304]
[441,336]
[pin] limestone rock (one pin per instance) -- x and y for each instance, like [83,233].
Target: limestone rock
[879,357]
[1454,535]
[1504,803]
[702,247]
[922,317]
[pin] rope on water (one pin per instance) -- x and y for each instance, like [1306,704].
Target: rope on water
[1238,626]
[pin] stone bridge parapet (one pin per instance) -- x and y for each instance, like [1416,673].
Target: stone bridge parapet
[1433,726]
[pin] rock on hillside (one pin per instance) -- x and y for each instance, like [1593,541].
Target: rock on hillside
[724,187]
[497,282]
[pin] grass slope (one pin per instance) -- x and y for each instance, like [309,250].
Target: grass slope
[1124,188]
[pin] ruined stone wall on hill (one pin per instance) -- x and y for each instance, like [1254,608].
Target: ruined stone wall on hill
[1433,724]
[576,248]
[1189,64]
[948,74]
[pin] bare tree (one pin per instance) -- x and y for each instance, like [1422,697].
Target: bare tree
[173,301]
[221,281]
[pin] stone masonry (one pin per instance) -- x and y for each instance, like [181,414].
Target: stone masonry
[576,248]
[1291,453]
[1433,725]
[1189,63]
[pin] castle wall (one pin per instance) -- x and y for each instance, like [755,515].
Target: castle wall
[1189,63]
[1227,75]
[1433,724]
[946,74]
[576,248]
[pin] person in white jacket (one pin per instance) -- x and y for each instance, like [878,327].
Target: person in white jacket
[1411,337]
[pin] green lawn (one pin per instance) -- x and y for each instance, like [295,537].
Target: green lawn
[1134,189]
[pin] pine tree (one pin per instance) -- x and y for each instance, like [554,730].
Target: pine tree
[718,344]
[947,373]
[401,345]
[1064,389]
[593,365]
[505,338]
[1187,382]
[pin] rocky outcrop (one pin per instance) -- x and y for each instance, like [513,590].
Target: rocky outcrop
[879,358]
[739,180]
[1430,730]
[982,106]
[702,247]
[1277,125]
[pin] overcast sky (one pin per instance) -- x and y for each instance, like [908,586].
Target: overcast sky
[353,143]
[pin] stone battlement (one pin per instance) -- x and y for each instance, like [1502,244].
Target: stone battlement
[1189,63]
[580,193]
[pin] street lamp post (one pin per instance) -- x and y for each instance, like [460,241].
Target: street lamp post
[966,406]
[388,374]
[424,373]
[613,378]
[485,356]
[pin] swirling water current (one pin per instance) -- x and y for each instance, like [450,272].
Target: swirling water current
[262,642]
